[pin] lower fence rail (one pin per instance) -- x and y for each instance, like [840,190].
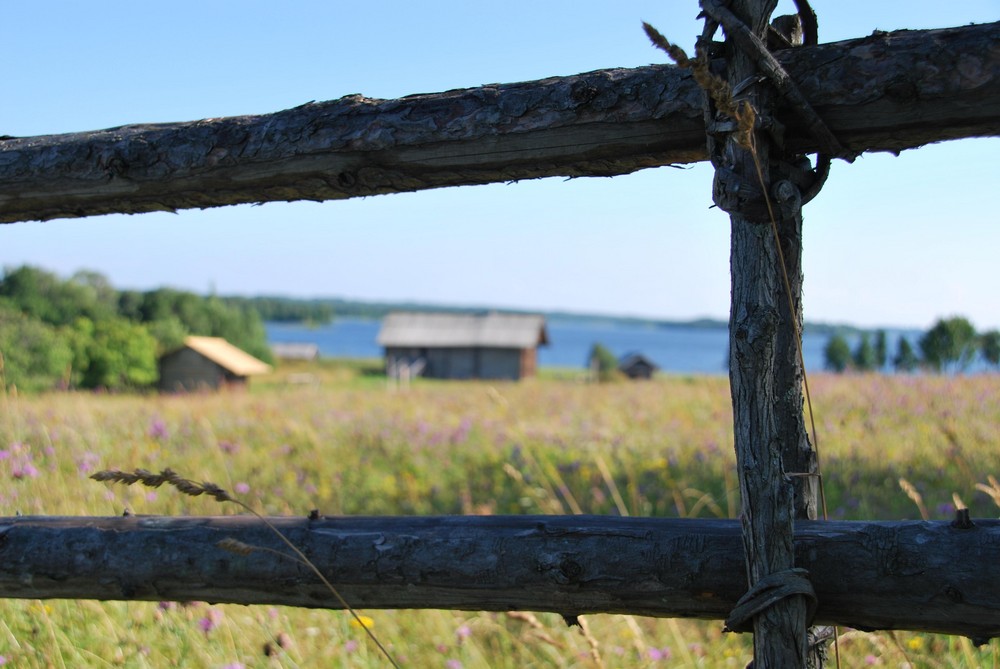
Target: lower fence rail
[927,576]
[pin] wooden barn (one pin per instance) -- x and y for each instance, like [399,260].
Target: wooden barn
[207,363]
[462,346]
[637,366]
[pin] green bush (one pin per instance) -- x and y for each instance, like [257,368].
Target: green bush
[603,364]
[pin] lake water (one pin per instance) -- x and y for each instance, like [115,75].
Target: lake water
[679,350]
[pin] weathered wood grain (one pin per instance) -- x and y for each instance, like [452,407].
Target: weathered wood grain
[759,375]
[885,92]
[884,575]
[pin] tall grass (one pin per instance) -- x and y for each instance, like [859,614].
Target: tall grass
[350,445]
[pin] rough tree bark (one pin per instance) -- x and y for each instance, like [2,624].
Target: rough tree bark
[886,92]
[933,576]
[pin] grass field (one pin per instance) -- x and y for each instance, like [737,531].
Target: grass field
[339,440]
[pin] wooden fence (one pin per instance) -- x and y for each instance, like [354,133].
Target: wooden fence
[885,92]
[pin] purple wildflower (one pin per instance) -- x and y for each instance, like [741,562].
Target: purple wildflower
[87,463]
[462,432]
[210,620]
[228,447]
[657,654]
[24,470]
[157,429]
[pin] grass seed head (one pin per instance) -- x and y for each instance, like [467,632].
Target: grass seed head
[167,476]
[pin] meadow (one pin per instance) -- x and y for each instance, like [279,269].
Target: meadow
[345,443]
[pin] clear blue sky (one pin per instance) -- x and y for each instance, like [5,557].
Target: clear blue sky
[889,242]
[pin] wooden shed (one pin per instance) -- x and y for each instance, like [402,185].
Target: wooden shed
[462,346]
[207,363]
[637,366]
[295,350]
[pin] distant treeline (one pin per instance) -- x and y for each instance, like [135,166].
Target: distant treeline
[951,345]
[82,332]
[286,309]
[324,309]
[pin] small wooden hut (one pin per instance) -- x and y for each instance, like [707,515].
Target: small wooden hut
[637,366]
[207,363]
[462,346]
[295,350]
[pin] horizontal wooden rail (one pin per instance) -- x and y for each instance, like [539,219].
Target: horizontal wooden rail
[885,92]
[932,576]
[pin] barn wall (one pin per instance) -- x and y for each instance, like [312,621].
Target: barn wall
[188,370]
[500,363]
[451,363]
[463,362]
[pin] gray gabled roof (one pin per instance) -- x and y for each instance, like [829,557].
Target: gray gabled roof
[434,330]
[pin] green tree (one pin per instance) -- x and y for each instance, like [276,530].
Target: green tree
[130,305]
[251,335]
[865,358]
[209,317]
[120,355]
[45,296]
[990,345]
[285,309]
[80,336]
[881,349]
[906,359]
[950,344]
[603,363]
[33,355]
[168,332]
[97,293]
[837,354]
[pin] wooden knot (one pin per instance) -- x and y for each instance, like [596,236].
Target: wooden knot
[788,198]
[962,520]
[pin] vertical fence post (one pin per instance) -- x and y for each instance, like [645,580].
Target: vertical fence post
[764,370]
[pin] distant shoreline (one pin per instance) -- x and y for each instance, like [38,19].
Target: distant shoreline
[343,308]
